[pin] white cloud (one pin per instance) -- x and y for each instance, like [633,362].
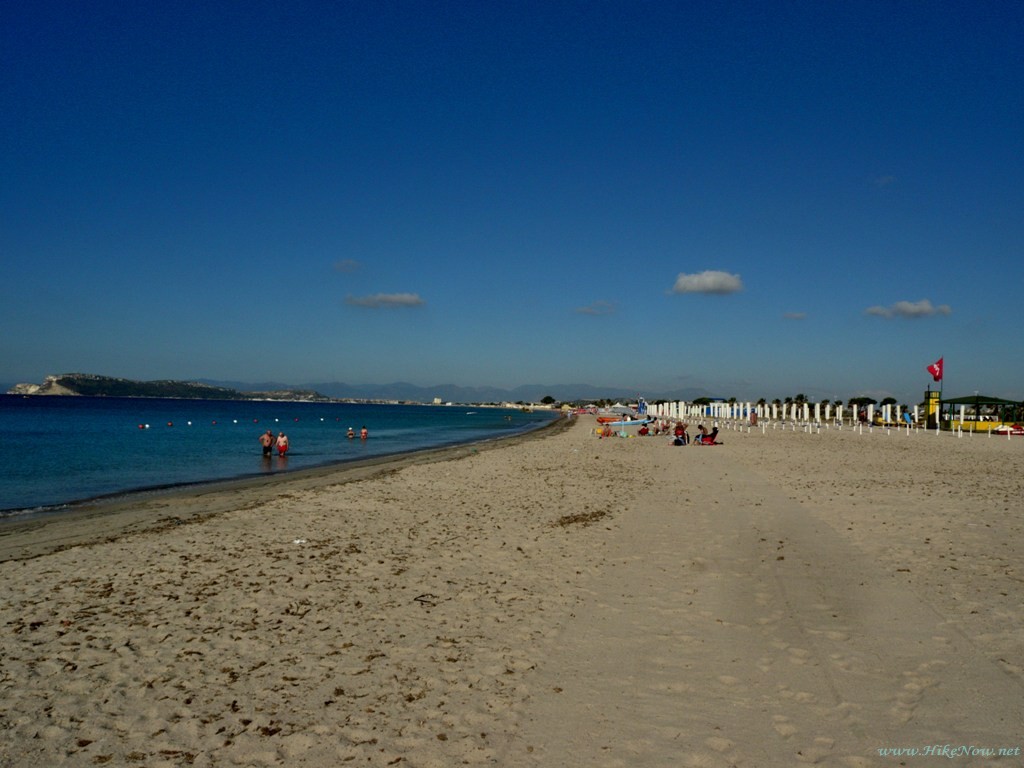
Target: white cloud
[347,265]
[709,281]
[378,300]
[598,308]
[909,309]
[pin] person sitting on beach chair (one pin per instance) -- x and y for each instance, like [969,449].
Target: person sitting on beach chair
[707,439]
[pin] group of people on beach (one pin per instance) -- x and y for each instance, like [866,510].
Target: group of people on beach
[269,442]
[681,435]
[679,432]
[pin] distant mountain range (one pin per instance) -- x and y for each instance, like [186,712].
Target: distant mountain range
[91,384]
[527,393]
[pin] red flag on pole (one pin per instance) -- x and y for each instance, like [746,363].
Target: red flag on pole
[935,369]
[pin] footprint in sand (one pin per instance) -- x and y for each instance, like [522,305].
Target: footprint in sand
[718,744]
[798,655]
[818,751]
[783,727]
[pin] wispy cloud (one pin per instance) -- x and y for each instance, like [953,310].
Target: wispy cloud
[385,300]
[794,315]
[709,281]
[347,266]
[884,181]
[909,309]
[598,308]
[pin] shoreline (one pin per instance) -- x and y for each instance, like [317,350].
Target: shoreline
[107,517]
[59,466]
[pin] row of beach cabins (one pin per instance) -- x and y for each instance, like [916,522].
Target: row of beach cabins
[818,414]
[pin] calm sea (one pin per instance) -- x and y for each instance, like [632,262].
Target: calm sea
[66,449]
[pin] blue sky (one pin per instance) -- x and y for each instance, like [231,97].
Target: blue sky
[747,199]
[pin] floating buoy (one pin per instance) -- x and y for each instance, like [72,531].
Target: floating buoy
[142,426]
[213,422]
[236,421]
[189,423]
[170,423]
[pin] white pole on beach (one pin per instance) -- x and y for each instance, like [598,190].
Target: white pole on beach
[817,412]
[871,414]
[775,412]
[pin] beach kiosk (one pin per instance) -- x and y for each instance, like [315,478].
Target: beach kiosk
[979,413]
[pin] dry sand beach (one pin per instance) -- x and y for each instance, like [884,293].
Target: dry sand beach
[783,599]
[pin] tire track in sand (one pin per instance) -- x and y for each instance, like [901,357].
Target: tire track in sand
[732,627]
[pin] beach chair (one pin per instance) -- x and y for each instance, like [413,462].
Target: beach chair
[709,439]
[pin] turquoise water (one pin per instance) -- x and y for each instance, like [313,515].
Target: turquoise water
[66,449]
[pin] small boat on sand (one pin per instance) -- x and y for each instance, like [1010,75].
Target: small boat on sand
[1009,429]
[617,412]
[626,423]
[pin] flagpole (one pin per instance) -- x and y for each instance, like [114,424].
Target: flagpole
[942,383]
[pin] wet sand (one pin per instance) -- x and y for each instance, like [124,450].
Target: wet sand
[778,600]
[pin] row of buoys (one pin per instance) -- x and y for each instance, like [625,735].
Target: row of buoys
[234,421]
[214,422]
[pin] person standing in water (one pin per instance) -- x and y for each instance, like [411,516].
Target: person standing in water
[351,433]
[282,444]
[267,441]
[364,433]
